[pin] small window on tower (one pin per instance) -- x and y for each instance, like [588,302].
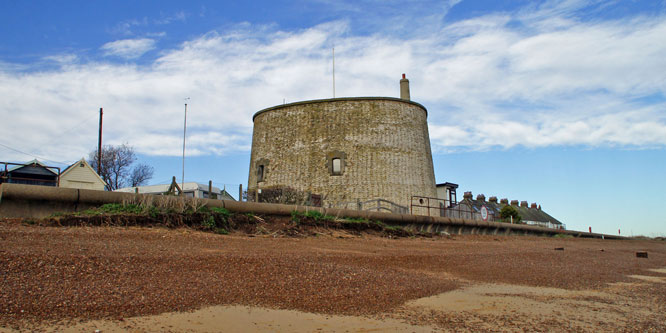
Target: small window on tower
[260,173]
[337,166]
[335,162]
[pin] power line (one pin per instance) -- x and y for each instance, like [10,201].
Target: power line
[33,155]
[58,136]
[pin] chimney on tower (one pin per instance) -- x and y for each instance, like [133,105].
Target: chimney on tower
[404,88]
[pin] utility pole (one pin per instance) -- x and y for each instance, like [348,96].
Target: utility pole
[182,180]
[99,144]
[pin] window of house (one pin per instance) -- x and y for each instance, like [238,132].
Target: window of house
[452,197]
[260,173]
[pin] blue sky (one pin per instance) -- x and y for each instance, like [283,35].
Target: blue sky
[556,102]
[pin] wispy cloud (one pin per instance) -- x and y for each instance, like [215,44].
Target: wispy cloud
[127,27]
[128,48]
[63,59]
[489,82]
[180,16]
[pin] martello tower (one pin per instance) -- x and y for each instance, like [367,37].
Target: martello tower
[345,149]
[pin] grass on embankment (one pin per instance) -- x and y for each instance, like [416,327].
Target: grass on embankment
[175,212]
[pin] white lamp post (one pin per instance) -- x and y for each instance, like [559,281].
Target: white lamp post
[182,180]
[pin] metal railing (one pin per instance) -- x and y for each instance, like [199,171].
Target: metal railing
[379,205]
[444,208]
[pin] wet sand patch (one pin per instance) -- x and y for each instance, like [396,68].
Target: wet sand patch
[656,279]
[658,270]
[242,319]
[514,307]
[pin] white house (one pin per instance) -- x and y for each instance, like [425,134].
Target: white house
[81,175]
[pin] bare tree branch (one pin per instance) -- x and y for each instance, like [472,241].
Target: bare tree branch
[116,167]
[141,174]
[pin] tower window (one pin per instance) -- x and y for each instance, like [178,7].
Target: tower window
[336,163]
[337,166]
[260,173]
[262,165]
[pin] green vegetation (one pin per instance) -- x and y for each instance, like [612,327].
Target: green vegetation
[394,228]
[313,214]
[317,215]
[172,211]
[221,231]
[222,211]
[363,220]
[353,223]
[507,213]
[355,220]
[563,236]
[209,222]
[176,212]
[113,208]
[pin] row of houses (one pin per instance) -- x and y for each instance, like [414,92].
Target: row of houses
[530,214]
[81,175]
[489,210]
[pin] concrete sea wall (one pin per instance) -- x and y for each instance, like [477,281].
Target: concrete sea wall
[29,201]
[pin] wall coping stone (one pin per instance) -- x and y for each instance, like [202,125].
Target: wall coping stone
[340,99]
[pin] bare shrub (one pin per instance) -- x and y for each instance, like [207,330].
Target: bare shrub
[280,195]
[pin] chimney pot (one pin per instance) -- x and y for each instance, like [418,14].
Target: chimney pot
[481,197]
[533,205]
[467,195]
[493,199]
[514,202]
[504,201]
[404,88]
[523,204]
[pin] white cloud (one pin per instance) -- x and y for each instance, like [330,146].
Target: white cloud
[128,48]
[486,83]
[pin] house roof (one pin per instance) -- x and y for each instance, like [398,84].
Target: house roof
[187,187]
[535,214]
[447,184]
[526,213]
[30,163]
[82,160]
